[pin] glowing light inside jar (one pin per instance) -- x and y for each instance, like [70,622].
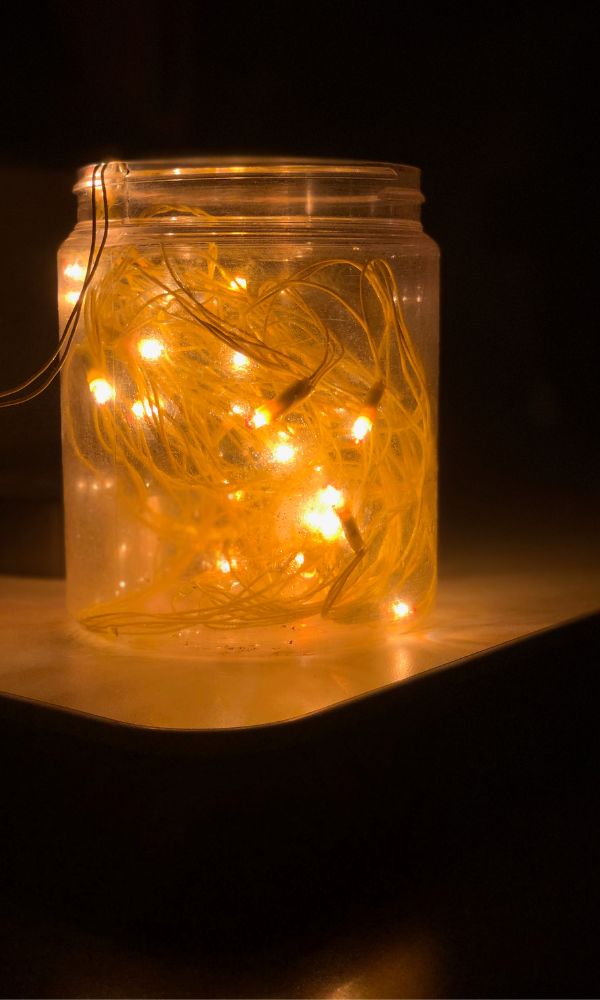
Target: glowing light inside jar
[261,417]
[239,360]
[74,271]
[320,514]
[400,609]
[101,390]
[284,453]
[362,426]
[141,409]
[150,348]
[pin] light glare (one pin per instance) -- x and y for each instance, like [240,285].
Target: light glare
[362,426]
[74,271]
[284,453]
[101,390]
[320,515]
[150,348]
[240,360]
[261,418]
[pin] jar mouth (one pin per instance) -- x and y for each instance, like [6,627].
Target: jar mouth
[206,191]
[264,167]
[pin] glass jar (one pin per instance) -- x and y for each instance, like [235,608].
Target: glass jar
[249,404]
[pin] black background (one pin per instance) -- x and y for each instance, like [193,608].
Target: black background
[494,105]
[497,857]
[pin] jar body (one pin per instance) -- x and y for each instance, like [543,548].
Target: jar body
[249,427]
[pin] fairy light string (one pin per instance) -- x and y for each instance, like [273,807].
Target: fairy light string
[229,407]
[271,432]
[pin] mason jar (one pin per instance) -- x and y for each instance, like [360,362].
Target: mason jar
[249,402]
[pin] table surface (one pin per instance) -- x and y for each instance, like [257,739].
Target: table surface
[485,599]
[485,883]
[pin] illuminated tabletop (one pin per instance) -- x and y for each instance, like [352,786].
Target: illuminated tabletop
[47,660]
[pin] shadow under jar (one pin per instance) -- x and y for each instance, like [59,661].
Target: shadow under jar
[249,404]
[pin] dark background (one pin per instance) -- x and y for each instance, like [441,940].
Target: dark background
[446,842]
[494,106]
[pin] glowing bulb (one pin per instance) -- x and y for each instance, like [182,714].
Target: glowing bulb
[238,283]
[284,453]
[75,271]
[400,609]
[224,565]
[151,348]
[238,495]
[332,496]
[240,360]
[237,409]
[101,390]
[72,298]
[319,515]
[147,409]
[362,426]
[261,417]
[299,559]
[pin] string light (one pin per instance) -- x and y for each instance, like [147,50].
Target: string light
[239,360]
[362,426]
[150,348]
[72,298]
[284,453]
[400,609]
[145,408]
[238,284]
[74,271]
[320,513]
[277,407]
[101,390]
[204,481]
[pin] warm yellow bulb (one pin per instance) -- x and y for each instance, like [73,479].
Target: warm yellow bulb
[150,348]
[224,565]
[239,360]
[400,609]
[319,514]
[362,426]
[299,559]
[238,284]
[140,409]
[101,390]
[261,417]
[74,271]
[284,453]
[72,297]
[332,497]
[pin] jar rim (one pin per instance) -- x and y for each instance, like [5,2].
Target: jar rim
[263,168]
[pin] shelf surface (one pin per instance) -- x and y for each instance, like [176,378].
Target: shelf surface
[47,659]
